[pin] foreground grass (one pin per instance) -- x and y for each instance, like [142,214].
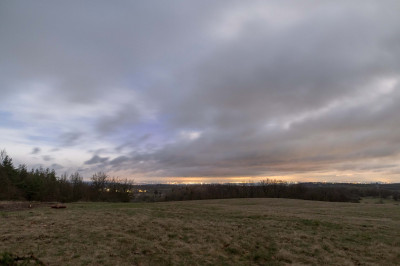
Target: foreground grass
[211,232]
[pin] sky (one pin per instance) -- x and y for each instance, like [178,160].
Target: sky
[203,91]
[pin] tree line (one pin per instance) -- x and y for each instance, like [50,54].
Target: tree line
[264,189]
[279,189]
[17,183]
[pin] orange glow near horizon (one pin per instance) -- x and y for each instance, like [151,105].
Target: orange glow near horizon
[208,180]
[320,176]
[326,177]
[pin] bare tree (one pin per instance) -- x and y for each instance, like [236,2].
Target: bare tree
[99,181]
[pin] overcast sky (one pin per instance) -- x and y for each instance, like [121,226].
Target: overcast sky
[160,90]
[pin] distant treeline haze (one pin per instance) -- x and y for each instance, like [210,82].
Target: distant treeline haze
[17,183]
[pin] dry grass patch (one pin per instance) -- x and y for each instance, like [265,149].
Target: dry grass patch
[212,232]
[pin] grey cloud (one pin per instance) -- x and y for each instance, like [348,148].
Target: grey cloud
[117,162]
[135,142]
[97,159]
[47,158]
[271,87]
[98,151]
[93,52]
[271,76]
[35,150]
[70,138]
[126,116]
[267,75]
[56,166]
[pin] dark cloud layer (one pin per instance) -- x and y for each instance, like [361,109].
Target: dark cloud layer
[96,159]
[205,88]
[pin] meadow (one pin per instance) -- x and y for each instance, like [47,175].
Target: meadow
[254,231]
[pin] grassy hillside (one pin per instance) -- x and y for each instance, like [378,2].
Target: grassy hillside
[210,232]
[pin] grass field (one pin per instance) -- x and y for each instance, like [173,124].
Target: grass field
[211,232]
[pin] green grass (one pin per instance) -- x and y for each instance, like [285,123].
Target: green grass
[211,232]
